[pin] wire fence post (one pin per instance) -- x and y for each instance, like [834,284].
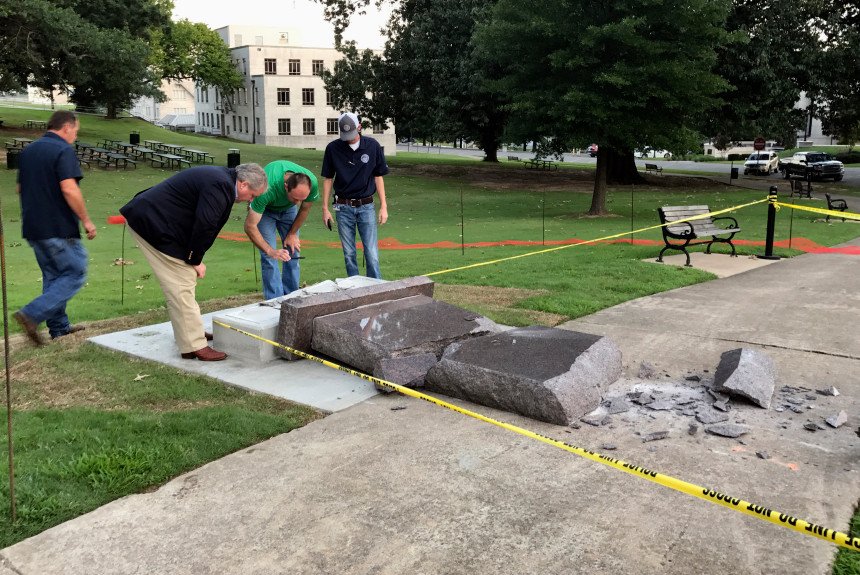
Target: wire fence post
[462,227]
[12,506]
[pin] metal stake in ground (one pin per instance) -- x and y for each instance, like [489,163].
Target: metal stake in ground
[8,374]
[462,227]
[543,219]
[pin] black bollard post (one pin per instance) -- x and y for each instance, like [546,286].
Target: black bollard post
[771,223]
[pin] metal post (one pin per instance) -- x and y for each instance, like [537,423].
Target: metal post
[771,223]
[122,270]
[462,227]
[12,507]
[543,219]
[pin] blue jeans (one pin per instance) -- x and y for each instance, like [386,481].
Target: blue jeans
[364,218]
[286,280]
[64,270]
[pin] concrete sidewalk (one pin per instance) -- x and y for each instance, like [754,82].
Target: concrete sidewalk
[395,485]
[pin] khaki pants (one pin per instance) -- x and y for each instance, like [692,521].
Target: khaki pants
[178,283]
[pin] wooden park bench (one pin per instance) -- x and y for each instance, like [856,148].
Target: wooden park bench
[835,204]
[653,168]
[513,158]
[687,232]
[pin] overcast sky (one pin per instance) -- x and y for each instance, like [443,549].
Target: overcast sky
[304,14]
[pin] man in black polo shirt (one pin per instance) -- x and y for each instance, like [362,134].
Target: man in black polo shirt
[355,164]
[52,207]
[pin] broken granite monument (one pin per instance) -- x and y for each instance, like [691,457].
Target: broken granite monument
[295,328]
[387,336]
[548,374]
[747,373]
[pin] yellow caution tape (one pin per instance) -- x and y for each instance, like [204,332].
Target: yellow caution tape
[758,511]
[831,213]
[594,241]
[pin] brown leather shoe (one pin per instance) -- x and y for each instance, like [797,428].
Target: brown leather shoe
[205,354]
[30,328]
[208,335]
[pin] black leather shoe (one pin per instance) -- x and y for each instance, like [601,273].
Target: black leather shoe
[72,329]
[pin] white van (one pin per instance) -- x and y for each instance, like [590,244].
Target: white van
[762,163]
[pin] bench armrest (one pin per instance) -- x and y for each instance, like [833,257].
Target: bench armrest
[733,225]
[687,234]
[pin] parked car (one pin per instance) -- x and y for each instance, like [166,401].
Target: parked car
[591,150]
[761,163]
[652,153]
[815,165]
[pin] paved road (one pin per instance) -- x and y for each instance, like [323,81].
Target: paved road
[852,174]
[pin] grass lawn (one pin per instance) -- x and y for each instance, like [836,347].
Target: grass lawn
[89,427]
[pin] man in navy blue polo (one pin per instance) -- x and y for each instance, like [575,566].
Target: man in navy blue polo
[52,206]
[354,165]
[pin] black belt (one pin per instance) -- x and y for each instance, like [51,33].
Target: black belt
[354,202]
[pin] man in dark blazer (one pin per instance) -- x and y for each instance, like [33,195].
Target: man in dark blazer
[174,223]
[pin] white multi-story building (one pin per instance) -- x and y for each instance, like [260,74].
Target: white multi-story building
[180,102]
[283,101]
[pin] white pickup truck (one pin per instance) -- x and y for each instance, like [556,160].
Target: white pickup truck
[813,165]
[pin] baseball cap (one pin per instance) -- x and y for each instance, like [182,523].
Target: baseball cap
[348,123]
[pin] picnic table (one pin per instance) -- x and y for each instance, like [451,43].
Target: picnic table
[21,142]
[117,161]
[152,143]
[126,147]
[171,148]
[36,124]
[140,152]
[168,160]
[541,164]
[198,156]
[108,143]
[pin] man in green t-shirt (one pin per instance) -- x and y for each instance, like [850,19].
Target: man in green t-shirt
[278,212]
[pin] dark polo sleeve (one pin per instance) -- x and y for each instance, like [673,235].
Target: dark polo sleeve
[213,210]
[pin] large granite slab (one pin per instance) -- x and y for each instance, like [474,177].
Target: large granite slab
[364,336]
[297,314]
[548,374]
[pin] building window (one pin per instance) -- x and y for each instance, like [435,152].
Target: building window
[234,123]
[256,96]
[331,126]
[378,129]
[329,99]
[244,67]
[283,96]
[295,68]
[307,96]
[309,126]
[270,65]
[178,94]
[218,122]
[317,67]
[283,126]
[206,95]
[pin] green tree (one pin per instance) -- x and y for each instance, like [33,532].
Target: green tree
[38,43]
[113,72]
[839,97]
[189,50]
[614,72]
[428,80]
[772,60]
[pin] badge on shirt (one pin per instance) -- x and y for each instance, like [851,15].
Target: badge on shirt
[365,158]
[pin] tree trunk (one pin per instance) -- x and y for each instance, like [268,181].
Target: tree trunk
[598,198]
[111,112]
[621,168]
